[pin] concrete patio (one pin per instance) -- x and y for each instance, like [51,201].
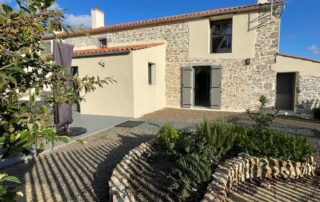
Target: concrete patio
[93,123]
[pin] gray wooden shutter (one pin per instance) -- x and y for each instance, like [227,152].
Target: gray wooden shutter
[216,87]
[187,87]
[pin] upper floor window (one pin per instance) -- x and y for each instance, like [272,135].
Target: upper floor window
[102,42]
[221,36]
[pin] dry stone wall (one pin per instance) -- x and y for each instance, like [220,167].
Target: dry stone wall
[119,188]
[247,167]
[241,84]
[231,172]
[308,94]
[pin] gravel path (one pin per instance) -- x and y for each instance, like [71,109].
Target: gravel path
[80,172]
[77,172]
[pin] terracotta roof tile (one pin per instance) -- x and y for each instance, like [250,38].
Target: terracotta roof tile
[298,57]
[164,20]
[115,49]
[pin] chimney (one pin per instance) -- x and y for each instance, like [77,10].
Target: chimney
[97,18]
[263,1]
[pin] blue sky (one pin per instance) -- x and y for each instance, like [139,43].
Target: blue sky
[300,26]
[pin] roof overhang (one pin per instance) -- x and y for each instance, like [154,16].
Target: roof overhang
[125,52]
[111,51]
[165,20]
[298,58]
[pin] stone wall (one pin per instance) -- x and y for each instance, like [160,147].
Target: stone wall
[119,188]
[308,94]
[241,84]
[246,167]
[232,171]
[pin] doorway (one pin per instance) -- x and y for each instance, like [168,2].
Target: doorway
[202,80]
[285,91]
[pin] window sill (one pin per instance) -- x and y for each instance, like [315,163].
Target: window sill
[211,53]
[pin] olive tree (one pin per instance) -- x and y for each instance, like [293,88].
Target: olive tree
[25,72]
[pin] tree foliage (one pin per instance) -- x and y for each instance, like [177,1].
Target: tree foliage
[25,72]
[264,117]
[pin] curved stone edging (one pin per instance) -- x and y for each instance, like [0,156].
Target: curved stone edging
[245,167]
[119,190]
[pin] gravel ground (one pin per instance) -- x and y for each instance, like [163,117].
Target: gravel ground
[186,116]
[77,172]
[304,189]
[80,172]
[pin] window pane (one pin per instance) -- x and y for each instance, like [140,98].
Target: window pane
[149,73]
[226,28]
[226,42]
[216,29]
[102,42]
[221,36]
[216,43]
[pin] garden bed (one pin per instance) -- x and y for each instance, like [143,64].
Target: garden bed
[180,164]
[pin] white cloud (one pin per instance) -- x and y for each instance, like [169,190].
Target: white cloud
[76,20]
[70,19]
[55,6]
[314,49]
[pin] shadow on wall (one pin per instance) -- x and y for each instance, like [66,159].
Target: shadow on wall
[307,106]
[76,173]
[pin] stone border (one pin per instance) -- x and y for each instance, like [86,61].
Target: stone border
[232,171]
[119,189]
[246,167]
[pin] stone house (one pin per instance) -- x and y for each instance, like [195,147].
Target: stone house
[221,59]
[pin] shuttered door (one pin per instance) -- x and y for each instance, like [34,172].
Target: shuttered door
[216,74]
[187,87]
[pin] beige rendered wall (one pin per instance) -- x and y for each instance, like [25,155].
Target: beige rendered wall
[114,99]
[287,64]
[244,36]
[148,98]
[307,96]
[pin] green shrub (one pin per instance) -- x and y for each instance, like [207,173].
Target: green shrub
[187,143]
[217,138]
[195,151]
[191,170]
[275,144]
[262,119]
[167,136]
[8,193]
